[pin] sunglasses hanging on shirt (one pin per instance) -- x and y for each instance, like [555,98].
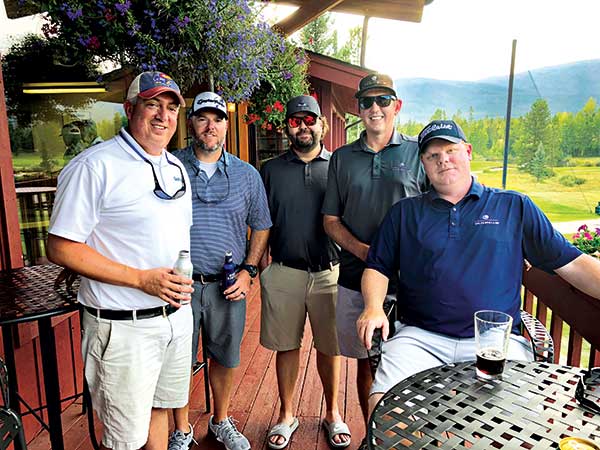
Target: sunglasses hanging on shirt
[381,100]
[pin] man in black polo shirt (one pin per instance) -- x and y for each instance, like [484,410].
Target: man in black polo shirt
[303,275]
[365,179]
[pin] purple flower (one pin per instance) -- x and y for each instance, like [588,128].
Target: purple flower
[598,231]
[74,14]
[287,74]
[123,7]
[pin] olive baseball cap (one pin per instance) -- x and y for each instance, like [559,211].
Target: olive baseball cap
[375,81]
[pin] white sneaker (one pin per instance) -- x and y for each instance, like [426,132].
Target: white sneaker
[180,440]
[226,433]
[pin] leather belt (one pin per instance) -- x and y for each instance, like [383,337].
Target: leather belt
[114,314]
[206,279]
[309,267]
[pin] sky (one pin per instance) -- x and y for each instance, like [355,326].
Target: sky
[472,39]
[457,39]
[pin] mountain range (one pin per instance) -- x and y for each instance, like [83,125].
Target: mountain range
[566,87]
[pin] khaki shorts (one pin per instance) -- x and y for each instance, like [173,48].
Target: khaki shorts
[287,296]
[134,366]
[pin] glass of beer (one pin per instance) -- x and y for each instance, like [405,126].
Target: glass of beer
[492,333]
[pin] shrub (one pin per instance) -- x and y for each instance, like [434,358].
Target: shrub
[571,180]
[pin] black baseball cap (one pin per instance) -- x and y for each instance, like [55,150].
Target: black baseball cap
[302,103]
[448,130]
[375,81]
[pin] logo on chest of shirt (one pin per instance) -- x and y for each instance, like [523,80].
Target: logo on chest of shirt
[485,219]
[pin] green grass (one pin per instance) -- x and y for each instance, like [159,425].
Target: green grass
[560,203]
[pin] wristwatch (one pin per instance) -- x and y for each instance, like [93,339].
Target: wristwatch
[252,270]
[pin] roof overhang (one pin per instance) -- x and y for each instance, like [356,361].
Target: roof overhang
[308,10]
[344,78]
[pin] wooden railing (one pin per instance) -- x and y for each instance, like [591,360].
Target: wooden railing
[572,317]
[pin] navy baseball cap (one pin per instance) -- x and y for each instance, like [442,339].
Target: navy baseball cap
[302,103]
[148,85]
[448,130]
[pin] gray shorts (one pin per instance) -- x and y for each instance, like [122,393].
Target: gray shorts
[350,305]
[412,350]
[223,322]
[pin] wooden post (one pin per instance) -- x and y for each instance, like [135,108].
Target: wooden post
[11,256]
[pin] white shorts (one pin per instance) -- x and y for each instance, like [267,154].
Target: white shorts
[412,350]
[134,366]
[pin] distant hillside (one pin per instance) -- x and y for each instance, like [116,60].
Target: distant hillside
[566,88]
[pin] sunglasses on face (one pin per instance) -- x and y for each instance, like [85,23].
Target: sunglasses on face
[381,100]
[294,122]
[590,380]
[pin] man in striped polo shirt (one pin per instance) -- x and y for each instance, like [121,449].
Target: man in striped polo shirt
[228,196]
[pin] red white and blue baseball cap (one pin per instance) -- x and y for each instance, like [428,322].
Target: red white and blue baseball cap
[148,85]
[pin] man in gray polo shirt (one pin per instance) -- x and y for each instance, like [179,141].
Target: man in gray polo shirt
[365,179]
[228,196]
[302,278]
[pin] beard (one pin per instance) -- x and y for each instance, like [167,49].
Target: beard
[303,146]
[205,148]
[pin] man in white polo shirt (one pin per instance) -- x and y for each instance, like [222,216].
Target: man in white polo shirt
[122,214]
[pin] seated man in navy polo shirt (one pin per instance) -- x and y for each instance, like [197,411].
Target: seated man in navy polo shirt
[456,249]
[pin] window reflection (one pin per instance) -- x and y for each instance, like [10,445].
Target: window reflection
[43,141]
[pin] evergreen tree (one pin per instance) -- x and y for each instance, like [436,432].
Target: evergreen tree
[538,166]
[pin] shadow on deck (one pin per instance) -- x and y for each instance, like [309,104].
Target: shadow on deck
[255,402]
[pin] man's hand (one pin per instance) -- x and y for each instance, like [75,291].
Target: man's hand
[368,321]
[68,276]
[240,288]
[166,285]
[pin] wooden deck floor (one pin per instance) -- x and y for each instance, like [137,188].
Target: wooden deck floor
[255,402]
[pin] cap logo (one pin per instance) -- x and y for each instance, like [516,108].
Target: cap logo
[435,126]
[163,79]
[202,101]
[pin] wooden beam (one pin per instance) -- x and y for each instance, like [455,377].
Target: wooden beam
[308,11]
[405,10]
[11,256]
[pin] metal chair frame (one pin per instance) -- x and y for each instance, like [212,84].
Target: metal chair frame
[11,426]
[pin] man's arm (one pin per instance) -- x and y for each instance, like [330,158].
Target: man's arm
[374,289]
[83,259]
[583,273]
[241,287]
[341,234]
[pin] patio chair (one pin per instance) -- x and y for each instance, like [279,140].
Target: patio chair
[203,365]
[11,427]
[541,341]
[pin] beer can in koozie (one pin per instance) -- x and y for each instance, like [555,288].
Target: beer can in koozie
[577,443]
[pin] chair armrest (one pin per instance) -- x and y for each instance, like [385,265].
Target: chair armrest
[541,341]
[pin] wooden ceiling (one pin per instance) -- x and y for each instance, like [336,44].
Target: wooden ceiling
[308,10]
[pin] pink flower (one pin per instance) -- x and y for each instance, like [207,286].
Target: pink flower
[576,236]
[588,236]
[583,227]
